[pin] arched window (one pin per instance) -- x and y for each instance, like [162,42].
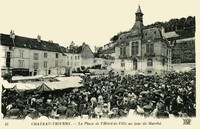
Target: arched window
[122,63]
[149,62]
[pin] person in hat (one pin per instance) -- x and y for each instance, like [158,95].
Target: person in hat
[105,110]
[71,112]
[98,110]
[13,113]
[62,110]
[34,114]
[114,113]
[54,113]
[86,112]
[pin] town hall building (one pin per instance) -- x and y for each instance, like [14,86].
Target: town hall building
[142,50]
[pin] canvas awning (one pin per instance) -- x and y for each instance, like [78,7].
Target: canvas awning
[24,86]
[21,78]
[43,88]
[6,85]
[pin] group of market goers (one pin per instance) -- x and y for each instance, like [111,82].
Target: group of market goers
[113,96]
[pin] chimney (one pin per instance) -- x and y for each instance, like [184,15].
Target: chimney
[50,41]
[163,30]
[95,48]
[39,38]
[12,34]
[72,43]
[83,44]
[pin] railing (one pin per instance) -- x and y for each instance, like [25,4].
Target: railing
[123,57]
[149,54]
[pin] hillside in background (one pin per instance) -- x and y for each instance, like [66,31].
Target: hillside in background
[184,27]
[184,52]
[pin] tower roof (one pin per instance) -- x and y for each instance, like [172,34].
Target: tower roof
[139,10]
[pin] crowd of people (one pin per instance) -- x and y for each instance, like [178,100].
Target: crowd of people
[113,96]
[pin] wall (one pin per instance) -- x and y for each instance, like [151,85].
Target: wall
[51,59]
[87,57]
[183,66]
[73,60]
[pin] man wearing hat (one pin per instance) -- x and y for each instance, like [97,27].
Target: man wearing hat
[71,112]
[62,111]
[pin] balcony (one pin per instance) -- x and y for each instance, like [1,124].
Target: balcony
[123,57]
[149,54]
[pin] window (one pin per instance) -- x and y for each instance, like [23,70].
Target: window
[56,55]
[122,63]
[163,62]
[78,57]
[135,64]
[122,51]
[56,63]
[21,54]
[8,54]
[35,65]
[45,55]
[135,48]
[21,63]
[149,48]
[149,62]
[71,63]
[68,63]
[61,62]
[75,57]
[35,56]
[71,57]
[75,64]
[45,64]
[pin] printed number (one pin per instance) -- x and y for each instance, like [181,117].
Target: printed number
[186,121]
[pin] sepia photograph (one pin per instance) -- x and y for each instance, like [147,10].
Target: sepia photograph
[99,63]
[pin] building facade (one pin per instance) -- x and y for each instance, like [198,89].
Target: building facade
[22,56]
[142,50]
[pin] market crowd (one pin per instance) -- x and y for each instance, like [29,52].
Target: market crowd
[113,96]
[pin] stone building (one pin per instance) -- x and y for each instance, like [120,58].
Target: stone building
[22,56]
[142,50]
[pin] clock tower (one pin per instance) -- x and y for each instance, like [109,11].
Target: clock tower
[138,20]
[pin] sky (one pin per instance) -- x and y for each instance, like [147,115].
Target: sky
[91,21]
